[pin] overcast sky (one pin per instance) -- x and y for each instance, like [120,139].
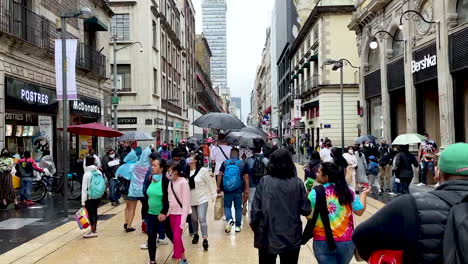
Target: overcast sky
[247,21]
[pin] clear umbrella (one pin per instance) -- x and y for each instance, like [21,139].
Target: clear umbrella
[136,136]
[408,139]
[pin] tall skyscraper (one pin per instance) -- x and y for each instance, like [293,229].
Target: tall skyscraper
[237,103]
[214,29]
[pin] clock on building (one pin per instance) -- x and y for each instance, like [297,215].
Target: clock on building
[427,12]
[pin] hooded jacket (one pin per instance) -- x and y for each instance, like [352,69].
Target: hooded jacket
[126,170]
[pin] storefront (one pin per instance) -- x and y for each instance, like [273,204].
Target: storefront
[374,103]
[396,90]
[30,116]
[424,70]
[83,111]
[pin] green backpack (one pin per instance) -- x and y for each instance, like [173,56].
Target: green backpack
[97,185]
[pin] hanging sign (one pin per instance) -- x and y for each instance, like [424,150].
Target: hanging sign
[71,45]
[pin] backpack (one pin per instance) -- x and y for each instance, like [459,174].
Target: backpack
[455,241]
[97,185]
[24,169]
[232,175]
[259,169]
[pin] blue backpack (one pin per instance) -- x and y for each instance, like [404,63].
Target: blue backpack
[97,185]
[232,175]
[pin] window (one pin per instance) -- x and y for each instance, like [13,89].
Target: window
[462,9]
[374,58]
[398,46]
[120,26]
[163,87]
[124,77]
[155,35]
[155,81]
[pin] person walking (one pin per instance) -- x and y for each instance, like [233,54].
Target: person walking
[25,168]
[385,162]
[220,153]
[280,200]
[373,168]
[233,179]
[415,223]
[426,157]
[7,192]
[341,202]
[361,171]
[404,167]
[97,162]
[135,191]
[92,189]
[325,152]
[352,161]
[339,160]
[125,175]
[257,169]
[110,164]
[179,208]
[396,187]
[206,154]
[202,190]
[165,152]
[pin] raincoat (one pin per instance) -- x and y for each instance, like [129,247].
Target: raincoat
[139,174]
[126,170]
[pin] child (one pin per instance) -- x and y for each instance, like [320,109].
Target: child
[92,189]
[179,208]
[373,171]
[25,168]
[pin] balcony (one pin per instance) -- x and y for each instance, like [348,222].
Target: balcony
[88,59]
[20,22]
[309,84]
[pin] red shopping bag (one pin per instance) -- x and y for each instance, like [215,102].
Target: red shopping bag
[386,257]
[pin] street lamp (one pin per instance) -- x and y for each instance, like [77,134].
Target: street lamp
[83,13]
[166,136]
[115,100]
[338,64]
[406,16]
[374,44]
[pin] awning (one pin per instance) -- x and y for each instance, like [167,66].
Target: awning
[94,24]
[267,111]
[310,105]
[314,58]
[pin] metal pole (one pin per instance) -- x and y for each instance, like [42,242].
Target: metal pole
[65,116]
[342,108]
[114,45]
[166,136]
[193,119]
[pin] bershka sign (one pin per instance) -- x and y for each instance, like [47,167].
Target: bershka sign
[427,62]
[86,107]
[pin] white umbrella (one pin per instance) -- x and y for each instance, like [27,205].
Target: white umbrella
[408,139]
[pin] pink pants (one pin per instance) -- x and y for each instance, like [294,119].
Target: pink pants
[177,233]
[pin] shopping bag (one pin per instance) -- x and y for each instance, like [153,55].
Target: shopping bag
[385,256]
[82,219]
[219,208]
[16,181]
[244,209]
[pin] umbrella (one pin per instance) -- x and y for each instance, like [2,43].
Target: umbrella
[218,121]
[93,129]
[368,138]
[288,136]
[407,139]
[245,139]
[136,136]
[250,129]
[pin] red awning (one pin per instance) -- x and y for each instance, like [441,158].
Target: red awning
[93,129]
[267,111]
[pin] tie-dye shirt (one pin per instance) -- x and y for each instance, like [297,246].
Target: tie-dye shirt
[341,217]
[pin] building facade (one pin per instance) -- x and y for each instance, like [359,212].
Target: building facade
[325,36]
[262,88]
[214,29]
[29,111]
[414,80]
[236,104]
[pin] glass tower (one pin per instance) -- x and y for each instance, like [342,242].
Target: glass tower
[214,30]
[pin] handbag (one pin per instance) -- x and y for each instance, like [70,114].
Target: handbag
[82,218]
[219,208]
[322,209]
[124,186]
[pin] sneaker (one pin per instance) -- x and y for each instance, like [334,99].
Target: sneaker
[183,261]
[90,235]
[205,244]
[163,241]
[229,226]
[130,229]
[393,194]
[144,246]
[223,218]
[114,204]
[436,185]
[238,229]
[195,239]
[30,203]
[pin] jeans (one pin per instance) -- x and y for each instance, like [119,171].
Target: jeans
[235,198]
[288,257]
[144,208]
[425,165]
[91,206]
[396,186]
[114,195]
[343,254]
[152,229]
[25,191]
[199,216]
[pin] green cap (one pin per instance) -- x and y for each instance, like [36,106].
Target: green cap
[454,159]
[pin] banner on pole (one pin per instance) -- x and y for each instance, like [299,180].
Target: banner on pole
[297,109]
[72,45]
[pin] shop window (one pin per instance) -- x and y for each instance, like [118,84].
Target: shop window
[374,59]
[462,9]
[124,77]
[155,81]
[375,117]
[120,26]
[398,46]
[155,35]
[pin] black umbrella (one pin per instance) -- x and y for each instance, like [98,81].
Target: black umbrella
[250,129]
[245,139]
[368,138]
[218,121]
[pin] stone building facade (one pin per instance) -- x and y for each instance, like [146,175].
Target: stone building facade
[415,78]
[29,111]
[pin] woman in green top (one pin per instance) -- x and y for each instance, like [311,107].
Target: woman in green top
[155,196]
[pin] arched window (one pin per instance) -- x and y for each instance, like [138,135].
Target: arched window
[462,10]
[398,46]
[374,59]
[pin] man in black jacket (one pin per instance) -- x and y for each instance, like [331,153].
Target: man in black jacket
[110,164]
[415,223]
